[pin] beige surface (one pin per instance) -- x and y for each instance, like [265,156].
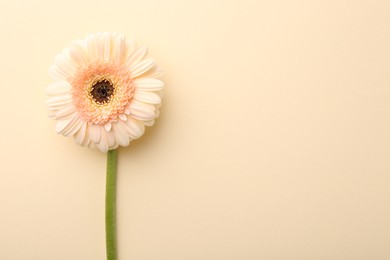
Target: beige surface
[274,139]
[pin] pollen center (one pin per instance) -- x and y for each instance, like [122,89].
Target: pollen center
[102,91]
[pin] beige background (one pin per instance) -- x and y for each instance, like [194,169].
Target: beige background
[273,142]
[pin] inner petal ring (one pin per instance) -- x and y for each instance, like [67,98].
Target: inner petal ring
[101,92]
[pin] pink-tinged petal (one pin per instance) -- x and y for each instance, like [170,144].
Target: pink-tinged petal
[80,135]
[122,117]
[91,145]
[59,88]
[115,146]
[107,126]
[63,125]
[120,133]
[134,128]
[148,84]
[102,147]
[147,97]
[65,112]
[137,56]
[141,67]
[127,110]
[103,144]
[87,138]
[94,133]
[110,139]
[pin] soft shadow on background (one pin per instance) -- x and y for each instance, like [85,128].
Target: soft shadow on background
[273,141]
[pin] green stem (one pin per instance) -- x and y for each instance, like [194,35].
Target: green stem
[111,205]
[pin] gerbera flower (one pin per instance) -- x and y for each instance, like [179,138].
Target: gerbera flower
[105,91]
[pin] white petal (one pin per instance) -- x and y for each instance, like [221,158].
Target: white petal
[87,138]
[160,93]
[157,113]
[91,145]
[52,113]
[155,73]
[143,117]
[130,47]
[80,135]
[137,56]
[107,46]
[63,125]
[148,84]
[73,64]
[59,87]
[77,54]
[92,47]
[103,144]
[138,105]
[58,101]
[127,111]
[142,111]
[122,117]
[119,53]
[134,128]
[141,67]
[99,46]
[65,112]
[64,65]
[111,139]
[72,129]
[94,133]
[56,74]
[147,97]
[120,133]
[148,123]
[116,145]
[107,126]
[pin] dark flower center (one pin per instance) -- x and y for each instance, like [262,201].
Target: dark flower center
[102,91]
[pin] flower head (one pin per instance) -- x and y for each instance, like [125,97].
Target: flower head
[104,92]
